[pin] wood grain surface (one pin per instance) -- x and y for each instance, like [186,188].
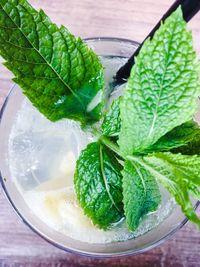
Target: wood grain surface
[131,19]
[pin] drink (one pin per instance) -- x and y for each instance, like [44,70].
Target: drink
[41,165]
[43,156]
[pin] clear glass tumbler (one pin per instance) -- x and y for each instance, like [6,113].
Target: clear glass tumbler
[103,47]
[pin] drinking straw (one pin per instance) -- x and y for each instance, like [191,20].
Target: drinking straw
[189,8]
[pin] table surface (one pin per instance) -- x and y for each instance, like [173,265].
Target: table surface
[132,19]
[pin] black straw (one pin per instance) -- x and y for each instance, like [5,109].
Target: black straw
[189,8]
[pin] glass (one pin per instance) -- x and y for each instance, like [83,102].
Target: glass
[103,47]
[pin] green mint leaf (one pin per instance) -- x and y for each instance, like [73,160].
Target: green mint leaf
[180,175]
[140,193]
[181,136]
[98,185]
[60,75]
[191,148]
[162,90]
[112,123]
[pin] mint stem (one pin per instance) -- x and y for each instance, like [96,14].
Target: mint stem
[106,141]
[111,145]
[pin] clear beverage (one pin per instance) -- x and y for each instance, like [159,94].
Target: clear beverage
[38,165]
[42,159]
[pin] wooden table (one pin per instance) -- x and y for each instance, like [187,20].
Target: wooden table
[132,19]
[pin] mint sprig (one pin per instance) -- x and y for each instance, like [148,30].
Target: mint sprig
[59,73]
[155,114]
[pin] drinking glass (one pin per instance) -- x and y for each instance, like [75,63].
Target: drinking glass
[111,47]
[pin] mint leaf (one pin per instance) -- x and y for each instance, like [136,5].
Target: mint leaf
[179,174]
[60,75]
[98,185]
[140,193]
[191,148]
[112,123]
[162,90]
[181,136]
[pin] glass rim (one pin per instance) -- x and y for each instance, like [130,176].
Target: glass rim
[76,251]
[111,39]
